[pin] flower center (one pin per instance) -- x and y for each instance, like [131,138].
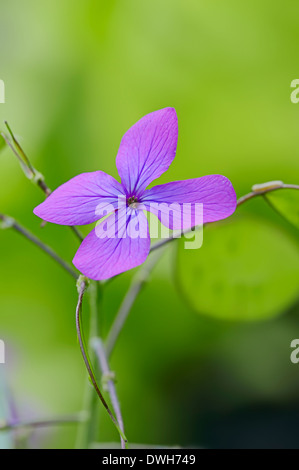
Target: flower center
[132,202]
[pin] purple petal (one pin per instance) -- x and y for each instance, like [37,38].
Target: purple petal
[215,192]
[118,243]
[147,149]
[81,200]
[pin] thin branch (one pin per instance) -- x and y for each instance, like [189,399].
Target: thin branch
[19,148]
[78,418]
[142,275]
[88,432]
[258,190]
[264,190]
[9,222]
[9,408]
[77,232]
[99,349]
[81,289]
[29,171]
[136,285]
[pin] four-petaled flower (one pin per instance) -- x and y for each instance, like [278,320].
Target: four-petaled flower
[146,151]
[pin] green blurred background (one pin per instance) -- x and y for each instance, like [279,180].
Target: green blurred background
[77,75]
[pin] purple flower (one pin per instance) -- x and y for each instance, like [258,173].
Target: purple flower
[146,151]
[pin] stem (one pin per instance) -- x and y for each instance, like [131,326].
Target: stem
[30,172]
[264,189]
[21,151]
[261,192]
[98,346]
[9,222]
[84,351]
[142,275]
[8,411]
[88,431]
[136,285]
[6,426]
[77,232]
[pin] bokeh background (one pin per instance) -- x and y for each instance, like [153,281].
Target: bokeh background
[191,369]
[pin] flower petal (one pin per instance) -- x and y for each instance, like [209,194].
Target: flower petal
[215,192]
[147,149]
[118,243]
[81,200]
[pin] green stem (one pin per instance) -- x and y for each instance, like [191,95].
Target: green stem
[143,273]
[30,172]
[87,433]
[136,286]
[86,358]
[108,376]
[20,152]
[261,190]
[258,190]
[72,419]
[9,222]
